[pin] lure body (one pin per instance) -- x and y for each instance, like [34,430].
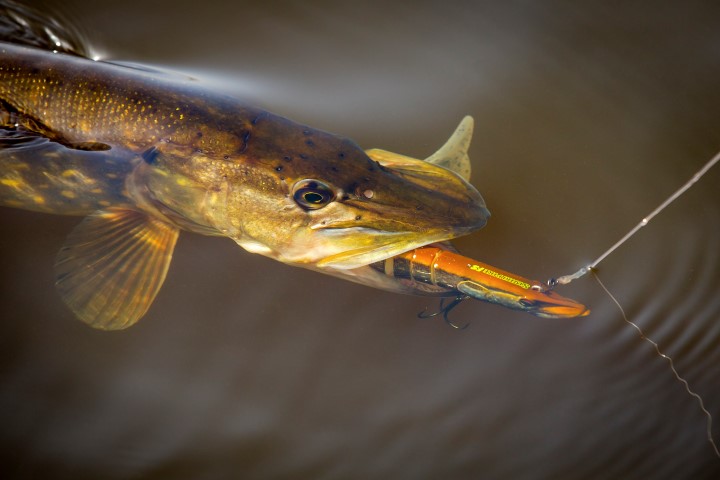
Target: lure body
[438,271]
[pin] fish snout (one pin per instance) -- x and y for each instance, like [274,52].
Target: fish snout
[441,199]
[476,215]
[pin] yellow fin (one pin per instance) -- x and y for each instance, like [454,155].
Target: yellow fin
[112,265]
[390,159]
[452,156]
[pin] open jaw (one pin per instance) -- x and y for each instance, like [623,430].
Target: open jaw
[367,245]
[389,231]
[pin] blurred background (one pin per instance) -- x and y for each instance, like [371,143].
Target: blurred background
[588,115]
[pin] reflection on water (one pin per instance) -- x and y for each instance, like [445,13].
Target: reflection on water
[586,118]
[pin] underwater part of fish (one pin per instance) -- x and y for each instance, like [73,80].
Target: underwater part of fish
[143,156]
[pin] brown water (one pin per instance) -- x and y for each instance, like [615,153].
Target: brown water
[586,117]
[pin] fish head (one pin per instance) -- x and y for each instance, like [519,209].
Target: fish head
[310,198]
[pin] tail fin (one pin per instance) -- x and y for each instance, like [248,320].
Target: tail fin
[23,25]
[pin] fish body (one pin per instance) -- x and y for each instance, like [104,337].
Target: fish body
[143,156]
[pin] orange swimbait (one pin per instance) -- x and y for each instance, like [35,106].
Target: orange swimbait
[448,273]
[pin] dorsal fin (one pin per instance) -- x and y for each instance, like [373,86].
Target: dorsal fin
[22,25]
[451,156]
[113,265]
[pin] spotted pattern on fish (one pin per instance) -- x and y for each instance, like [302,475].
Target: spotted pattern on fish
[144,156]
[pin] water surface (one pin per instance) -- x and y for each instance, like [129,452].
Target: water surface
[587,117]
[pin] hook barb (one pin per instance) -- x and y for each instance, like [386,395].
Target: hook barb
[445,310]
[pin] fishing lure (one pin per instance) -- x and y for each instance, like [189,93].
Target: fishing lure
[434,270]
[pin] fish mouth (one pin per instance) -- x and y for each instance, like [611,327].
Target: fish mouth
[410,204]
[390,233]
[377,245]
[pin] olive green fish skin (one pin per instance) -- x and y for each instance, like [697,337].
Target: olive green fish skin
[209,163]
[77,100]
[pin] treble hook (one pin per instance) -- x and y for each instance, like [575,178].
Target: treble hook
[445,310]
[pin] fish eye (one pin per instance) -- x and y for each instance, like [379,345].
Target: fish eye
[312,194]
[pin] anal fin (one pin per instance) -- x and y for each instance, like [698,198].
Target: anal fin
[113,265]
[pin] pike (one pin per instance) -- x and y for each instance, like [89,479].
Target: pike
[142,156]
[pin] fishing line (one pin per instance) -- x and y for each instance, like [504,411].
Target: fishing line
[565,279]
[699,399]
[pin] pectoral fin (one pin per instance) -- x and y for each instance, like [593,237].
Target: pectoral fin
[451,156]
[112,266]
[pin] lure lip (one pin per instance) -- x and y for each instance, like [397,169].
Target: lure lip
[546,303]
[538,300]
[550,304]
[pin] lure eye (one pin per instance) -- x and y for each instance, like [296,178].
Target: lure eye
[312,194]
